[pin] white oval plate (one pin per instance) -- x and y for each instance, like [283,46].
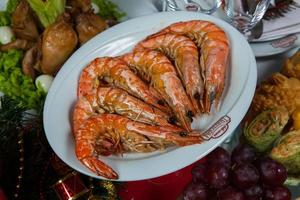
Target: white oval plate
[275,46]
[239,90]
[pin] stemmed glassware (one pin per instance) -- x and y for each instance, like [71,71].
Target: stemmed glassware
[244,15]
[190,5]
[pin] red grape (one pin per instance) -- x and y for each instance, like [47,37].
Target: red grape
[245,176]
[212,194]
[272,172]
[217,176]
[219,156]
[243,153]
[195,192]
[254,193]
[277,193]
[230,193]
[198,173]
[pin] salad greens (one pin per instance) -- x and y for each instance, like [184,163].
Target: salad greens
[108,10]
[11,6]
[5,16]
[15,84]
[47,11]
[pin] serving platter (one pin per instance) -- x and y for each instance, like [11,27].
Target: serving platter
[239,89]
[275,46]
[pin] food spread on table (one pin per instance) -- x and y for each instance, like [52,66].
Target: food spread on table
[145,100]
[37,37]
[242,175]
[273,121]
[141,101]
[267,158]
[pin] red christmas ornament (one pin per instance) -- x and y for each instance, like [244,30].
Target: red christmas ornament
[70,187]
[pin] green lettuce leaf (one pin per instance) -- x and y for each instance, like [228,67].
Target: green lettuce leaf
[15,84]
[5,16]
[11,6]
[48,10]
[108,10]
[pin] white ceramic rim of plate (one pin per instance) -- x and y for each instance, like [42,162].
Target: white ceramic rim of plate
[265,48]
[236,113]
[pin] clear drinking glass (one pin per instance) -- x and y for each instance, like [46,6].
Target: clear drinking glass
[245,14]
[203,6]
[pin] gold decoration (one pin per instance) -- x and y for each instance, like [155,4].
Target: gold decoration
[21,164]
[111,192]
[111,189]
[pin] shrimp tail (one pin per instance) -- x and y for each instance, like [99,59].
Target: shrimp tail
[99,168]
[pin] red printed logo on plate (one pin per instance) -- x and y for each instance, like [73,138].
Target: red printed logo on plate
[284,42]
[218,128]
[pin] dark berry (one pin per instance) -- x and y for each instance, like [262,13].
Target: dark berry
[198,173]
[272,172]
[254,192]
[277,193]
[245,176]
[195,192]
[219,156]
[243,153]
[217,176]
[230,193]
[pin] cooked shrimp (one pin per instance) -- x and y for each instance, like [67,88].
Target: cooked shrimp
[115,72]
[156,68]
[83,110]
[103,133]
[214,50]
[115,100]
[185,54]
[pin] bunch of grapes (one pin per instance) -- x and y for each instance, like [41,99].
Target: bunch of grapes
[241,176]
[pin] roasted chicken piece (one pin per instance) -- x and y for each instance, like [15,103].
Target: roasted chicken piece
[278,91]
[23,23]
[31,60]
[59,40]
[88,25]
[291,67]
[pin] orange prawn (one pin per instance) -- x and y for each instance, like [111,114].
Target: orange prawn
[156,68]
[115,100]
[114,71]
[185,54]
[213,45]
[103,133]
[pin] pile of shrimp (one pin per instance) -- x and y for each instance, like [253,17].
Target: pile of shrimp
[145,100]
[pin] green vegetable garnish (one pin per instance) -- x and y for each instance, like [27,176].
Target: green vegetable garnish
[108,10]
[11,6]
[15,84]
[48,10]
[292,180]
[5,16]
